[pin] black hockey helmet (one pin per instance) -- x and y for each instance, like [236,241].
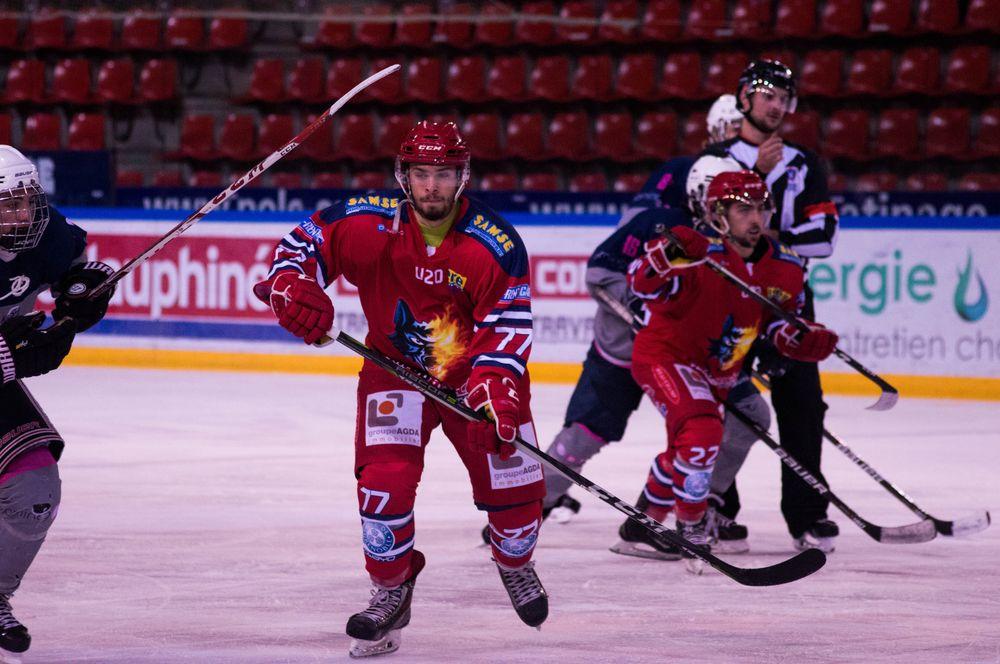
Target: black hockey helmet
[767,74]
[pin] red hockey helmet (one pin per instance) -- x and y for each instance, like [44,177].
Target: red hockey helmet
[434,143]
[734,187]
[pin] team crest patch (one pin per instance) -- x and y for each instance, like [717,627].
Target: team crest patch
[393,418]
[696,485]
[456,280]
[377,538]
[18,286]
[515,548]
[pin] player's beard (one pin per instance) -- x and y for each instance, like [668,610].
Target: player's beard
[440,210]
[748,240]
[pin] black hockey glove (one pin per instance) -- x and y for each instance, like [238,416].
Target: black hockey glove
[770,362]
[26,351]
[73,289]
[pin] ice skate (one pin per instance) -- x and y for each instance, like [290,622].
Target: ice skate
[639,542]
[378,629]
[725,535]
[820,535]
[14,637]
[697,534]
[561,512]
[526,593]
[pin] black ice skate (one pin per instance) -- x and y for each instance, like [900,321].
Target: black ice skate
[14,637]
[639,542]
[820,535]
[561,512]
[378,629]
[697,534]
[526,593]
[725,535]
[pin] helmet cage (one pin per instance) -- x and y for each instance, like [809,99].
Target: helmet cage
[21,230]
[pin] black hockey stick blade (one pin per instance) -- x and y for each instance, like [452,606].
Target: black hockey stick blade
[970,525]
[792,569]
[914,533]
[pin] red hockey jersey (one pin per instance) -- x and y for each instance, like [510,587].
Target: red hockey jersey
[699,318]
[466,305]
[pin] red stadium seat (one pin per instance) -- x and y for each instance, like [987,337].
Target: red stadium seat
[6,129]
[168,179]
[141,32]
[661,21]
[93,29]
[550,78]
[569,136]
[197,139]
[613,136]
[497,32]
[706,19]
[356,137]
[968,70]
[455,33]
[369,180]
[889,16]
[71,81]
[275,130]
[802,128]
[482,133]
[506,78]
[592,77]
[466,78]
[821,73]
[876,182]
[391,133]
[238,137]
[158,81]
[629,183]
[752,19]
[637,77]
[42,132]
[724,72]
[846,135]
[948,133]
[329,180]
[524,136]
[577,33]
[184,32]
[319,146]
[207,179]
[656,135]
[128,178]
[86,132]
[538,33]
[590,181]
[983,15]
[988,137]
[681,76]
[796,18]
[926,182]
[783,56]
[898,134]
[410,32]
[305,83]
[937,16]
[46,30]
[116,81]
[918,71]
[979,182]
[344,74]
[870,72]
[389,90]
[694,134]
[541,182]
[334,31]
[843,18]
[9,32]
[372,33]
[25,81]
[228,34]
[423,79]
[498,182]
[618,10]
[837,181]
[267,81]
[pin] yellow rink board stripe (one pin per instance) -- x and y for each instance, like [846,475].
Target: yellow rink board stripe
[952,387]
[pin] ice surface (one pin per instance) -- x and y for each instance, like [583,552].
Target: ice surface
[211,517]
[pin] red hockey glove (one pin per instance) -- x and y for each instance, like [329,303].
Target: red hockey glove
[497,398]
[663,255]
[301,306]
[813,345]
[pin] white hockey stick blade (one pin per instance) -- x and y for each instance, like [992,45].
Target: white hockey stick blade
[969,525]
[914,533]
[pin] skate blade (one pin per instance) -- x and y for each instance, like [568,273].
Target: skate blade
[730,546]
[561,515]
[694,566]
[8,657]
[640,550]
[387,644]
[824,544]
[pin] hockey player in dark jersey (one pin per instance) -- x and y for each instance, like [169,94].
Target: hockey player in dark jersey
[806,220]
[39,250]
[444,284]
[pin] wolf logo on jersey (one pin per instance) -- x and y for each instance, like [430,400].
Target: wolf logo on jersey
[434,345]
[732,345]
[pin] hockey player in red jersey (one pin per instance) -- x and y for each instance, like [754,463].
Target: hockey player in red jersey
[444,284]
[701,328]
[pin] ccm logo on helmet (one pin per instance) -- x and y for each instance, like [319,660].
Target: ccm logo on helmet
[430,148]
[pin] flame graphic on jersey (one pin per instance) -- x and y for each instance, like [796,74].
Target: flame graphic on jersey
[732,345]
[434,345]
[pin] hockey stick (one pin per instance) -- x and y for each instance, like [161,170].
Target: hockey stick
[889,396]
[792,569]
[241,182]
[922,531]
[975,523]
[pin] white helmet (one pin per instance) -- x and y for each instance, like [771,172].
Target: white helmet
[721,116]
[24,209]
[700,176]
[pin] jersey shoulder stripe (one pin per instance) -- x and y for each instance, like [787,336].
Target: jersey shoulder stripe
[783,252]
[497,235]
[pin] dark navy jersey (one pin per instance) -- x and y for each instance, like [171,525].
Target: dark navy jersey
[27,273]
[625,244]
[665,188]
